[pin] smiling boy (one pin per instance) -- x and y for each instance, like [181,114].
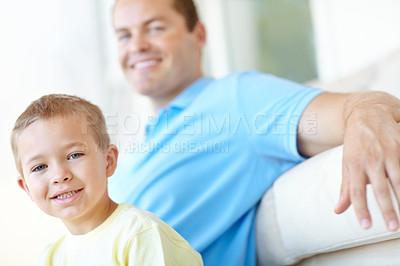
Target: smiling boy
[64,157]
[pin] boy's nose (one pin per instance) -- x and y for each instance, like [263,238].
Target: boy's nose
[62,179]
[65,178]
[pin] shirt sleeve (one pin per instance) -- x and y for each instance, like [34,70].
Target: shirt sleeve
[47,257]
[274,107]
[158,245]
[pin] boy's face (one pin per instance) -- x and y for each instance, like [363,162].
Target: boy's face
[64,172]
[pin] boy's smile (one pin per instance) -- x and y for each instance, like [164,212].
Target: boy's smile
[65,197]
[65,173]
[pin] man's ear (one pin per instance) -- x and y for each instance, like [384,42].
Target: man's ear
[112,158]
[22,184]
[199,31]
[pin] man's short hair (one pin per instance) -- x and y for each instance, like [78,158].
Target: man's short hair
[62,106]
[186,8]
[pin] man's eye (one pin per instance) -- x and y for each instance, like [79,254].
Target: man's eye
[75,156]
[154,29]
[39,168]
[124,36]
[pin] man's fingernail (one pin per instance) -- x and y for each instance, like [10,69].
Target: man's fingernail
[365,223]
[393,225]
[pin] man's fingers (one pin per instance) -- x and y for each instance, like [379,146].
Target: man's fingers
[382,194]
[355,181]
[359,199]
[393,173]
[344,198]
[343,203]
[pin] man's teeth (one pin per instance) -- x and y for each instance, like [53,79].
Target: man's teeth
[145,64]
[66,195]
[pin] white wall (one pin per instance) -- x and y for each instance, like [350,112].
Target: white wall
[46,47]
[231,36]
[352,34]
[349,34]
[216,52]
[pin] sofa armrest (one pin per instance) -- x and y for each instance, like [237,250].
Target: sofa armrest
[295,219]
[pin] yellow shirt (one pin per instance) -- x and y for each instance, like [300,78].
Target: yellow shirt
[130,236]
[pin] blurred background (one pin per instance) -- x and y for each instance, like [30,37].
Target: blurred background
[52,46]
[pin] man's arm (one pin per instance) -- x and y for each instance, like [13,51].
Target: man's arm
[367,124]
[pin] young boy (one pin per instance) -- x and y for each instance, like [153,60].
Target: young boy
[64,156]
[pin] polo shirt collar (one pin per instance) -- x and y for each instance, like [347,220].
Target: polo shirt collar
[190,93]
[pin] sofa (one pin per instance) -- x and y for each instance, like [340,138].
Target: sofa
[295,222]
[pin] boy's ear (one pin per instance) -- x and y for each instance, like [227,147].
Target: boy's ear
[22,184]
[112,158]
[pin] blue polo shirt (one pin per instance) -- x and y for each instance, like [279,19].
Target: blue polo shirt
[210,156]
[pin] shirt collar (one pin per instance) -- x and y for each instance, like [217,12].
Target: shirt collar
[189,94]
[180,102]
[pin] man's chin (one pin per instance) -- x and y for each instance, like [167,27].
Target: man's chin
[144,90]
[139,86]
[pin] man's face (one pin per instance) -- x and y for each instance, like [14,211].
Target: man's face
[157,53]
[64,172]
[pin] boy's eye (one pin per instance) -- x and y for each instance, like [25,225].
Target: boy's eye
[75,156]
[39,168]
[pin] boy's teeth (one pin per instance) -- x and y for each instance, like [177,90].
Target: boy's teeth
[66,195]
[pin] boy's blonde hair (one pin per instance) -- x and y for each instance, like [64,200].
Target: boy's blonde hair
[64,106]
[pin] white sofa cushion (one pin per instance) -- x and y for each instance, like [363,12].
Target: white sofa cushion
[295,219]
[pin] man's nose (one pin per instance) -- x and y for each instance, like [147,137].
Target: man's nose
[139,43]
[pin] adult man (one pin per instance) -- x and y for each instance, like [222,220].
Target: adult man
[209,194]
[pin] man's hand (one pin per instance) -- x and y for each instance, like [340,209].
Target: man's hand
[371,154]
[367,125]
